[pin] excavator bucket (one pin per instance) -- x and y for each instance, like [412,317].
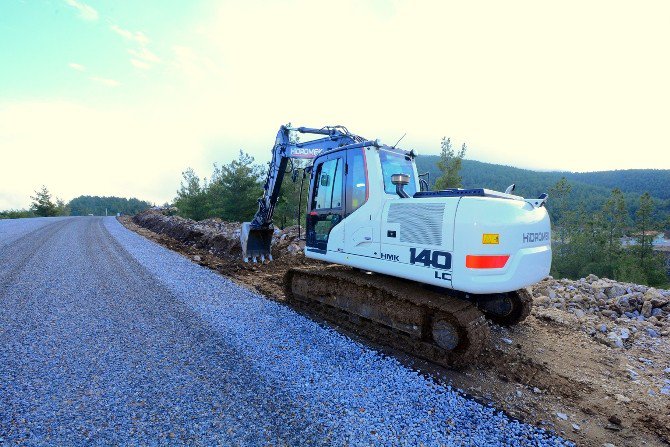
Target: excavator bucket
[256,243]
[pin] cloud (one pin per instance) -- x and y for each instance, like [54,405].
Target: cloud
[142,57]
[76,67]
[105,81]
[145,55]
[85,11]
[139,64]
[137,36]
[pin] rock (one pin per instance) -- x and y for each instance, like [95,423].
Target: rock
[536,390]
[542,301]
[656,312]
[646,309]
[608,444]
[507,341]
[197,258]
[579,313]
[653,294]
[614,419]
[600,296]
[615,340]
[615,291]
[293,248]
[625,334]
[603,328]
[575,427]
[621,398]
[652,333]
[562,416]
[591,278]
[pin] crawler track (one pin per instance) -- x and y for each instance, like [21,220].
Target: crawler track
[401,314]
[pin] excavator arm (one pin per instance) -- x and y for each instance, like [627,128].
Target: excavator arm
[256,236]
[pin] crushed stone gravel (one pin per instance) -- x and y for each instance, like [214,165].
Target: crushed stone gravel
[108,338]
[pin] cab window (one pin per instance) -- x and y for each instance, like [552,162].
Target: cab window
[328,183]
[357,188]
[395,163]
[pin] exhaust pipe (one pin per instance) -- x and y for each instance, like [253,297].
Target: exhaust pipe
[256,242]
[400,181]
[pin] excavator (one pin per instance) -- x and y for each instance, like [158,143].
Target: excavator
[414,269]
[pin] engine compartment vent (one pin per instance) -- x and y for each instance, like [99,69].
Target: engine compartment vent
[420,223]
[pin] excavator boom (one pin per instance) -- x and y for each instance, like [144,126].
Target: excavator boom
[256,236]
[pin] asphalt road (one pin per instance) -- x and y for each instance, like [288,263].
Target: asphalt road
[107,338]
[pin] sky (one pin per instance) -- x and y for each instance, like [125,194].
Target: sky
[118,97]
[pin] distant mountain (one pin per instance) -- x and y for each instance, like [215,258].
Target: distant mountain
[589,189]
[654,181]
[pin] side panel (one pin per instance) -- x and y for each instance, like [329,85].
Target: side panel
[418,272]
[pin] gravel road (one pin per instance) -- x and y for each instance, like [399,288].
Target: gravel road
[109,339]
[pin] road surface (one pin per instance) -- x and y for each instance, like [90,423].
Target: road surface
[107,338]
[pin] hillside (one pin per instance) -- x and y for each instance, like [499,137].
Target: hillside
[589,189]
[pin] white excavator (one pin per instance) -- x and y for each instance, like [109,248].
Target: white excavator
[415,269]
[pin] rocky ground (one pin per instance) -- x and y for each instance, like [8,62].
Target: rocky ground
[592,362]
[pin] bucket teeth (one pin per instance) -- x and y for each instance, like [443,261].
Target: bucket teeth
[255,242]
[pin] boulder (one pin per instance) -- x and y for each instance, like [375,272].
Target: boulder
[615,291]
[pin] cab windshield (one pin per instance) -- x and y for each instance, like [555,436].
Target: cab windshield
[395,163]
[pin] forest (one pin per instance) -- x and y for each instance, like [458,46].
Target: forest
[45,205]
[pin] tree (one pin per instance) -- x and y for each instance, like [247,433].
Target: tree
[559,203]
[191,197]
[449,165]
[562,222]
[235,188]
[640,263]
[615,216]
[42,204]
[62,208]
[644,226]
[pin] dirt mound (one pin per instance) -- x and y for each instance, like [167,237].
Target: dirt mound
[214,235]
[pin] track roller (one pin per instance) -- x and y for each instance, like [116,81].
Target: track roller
[506,309]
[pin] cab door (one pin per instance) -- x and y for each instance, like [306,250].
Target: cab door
[360,230]
[327,204]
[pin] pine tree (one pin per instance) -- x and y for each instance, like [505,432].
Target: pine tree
[643,227]
[191,199]
[615,216]
[235,188]
[42,204]
[450,165]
